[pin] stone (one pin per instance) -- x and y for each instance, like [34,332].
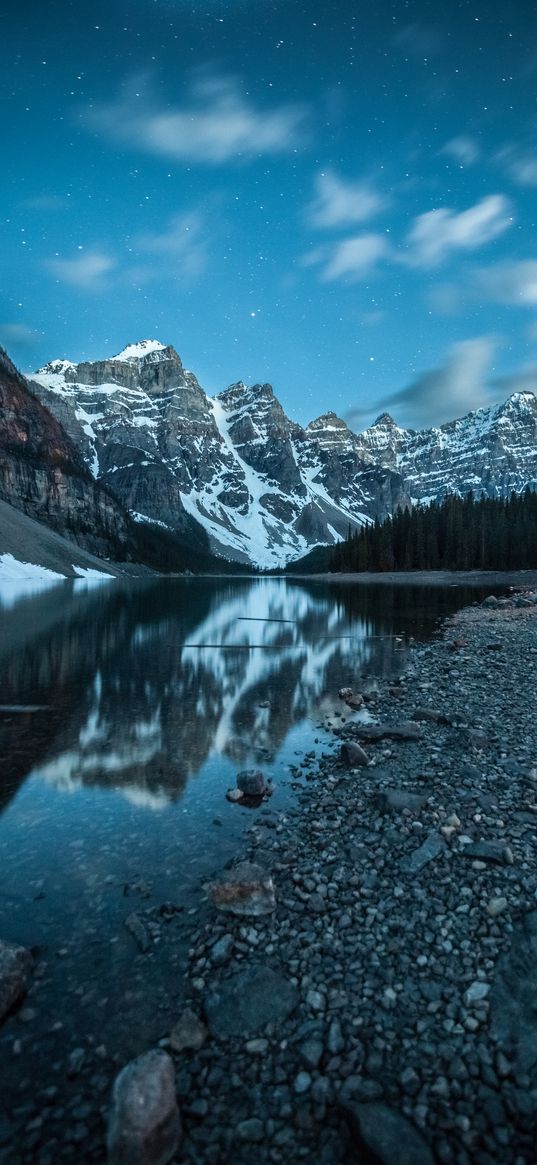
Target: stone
[234,795]
[476,992]
[335,1041]
[432,847]
[222,948]
[381,1134]
[488,851]
[496,906]
[302,1083]
[15,967]
[247,890]
[245,1003]
[345,693]
[133,923]
[252,783]
[189,1032]
[311,1052]
[513,1015]
[252,1129]
[428,715]
[144,1126]
[397,800]
[354,702]
[408,731]
[353,755]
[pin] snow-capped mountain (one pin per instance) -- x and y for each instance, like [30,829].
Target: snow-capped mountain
[491,451]
[263,488]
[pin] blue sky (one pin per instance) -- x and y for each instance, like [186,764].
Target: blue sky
[339,199]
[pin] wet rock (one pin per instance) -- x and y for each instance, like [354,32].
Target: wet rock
[354,702]
[133,923]
[15,968]
[252,783]
[488,851]
[397,800]
[428,715]
[144,1126]
[249,1000]
[407,731]
[345,693]
[234,795]
[189,1032]
[383,1135]
[432,847]
[476,992]
[221,951]
[247,890]
[353,755]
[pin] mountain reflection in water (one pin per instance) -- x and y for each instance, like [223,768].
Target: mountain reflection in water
[140,684]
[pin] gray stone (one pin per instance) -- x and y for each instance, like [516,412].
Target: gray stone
[135,926]
[247,890]
[252,783]
[512,998]
[476,992]
[221,951]
[144,1126]
[396,800]
[189,1032]
[353,755]
[249,1000]
[251,1130]
[488,851]
[428,715]
[383,1135]
[311,1052]
[15,967]
[432,847]
[406,731]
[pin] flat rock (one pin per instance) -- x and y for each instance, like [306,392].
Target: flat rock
[15,968]
[429,715]
[249,1000]
[488,851]
[144,1127]
[397,800]
[248,889]
[381,1134]
[431,848]
[406,731]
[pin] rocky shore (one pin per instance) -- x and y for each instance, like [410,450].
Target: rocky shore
[364,988]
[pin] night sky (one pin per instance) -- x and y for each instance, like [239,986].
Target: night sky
[337,198]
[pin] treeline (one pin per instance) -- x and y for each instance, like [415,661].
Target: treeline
[455,534]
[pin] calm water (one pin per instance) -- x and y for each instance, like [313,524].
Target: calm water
[126,712]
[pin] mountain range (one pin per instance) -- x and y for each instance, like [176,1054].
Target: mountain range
[263,488]
[130,458]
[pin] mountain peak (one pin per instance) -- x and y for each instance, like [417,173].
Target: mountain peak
[386,420]
[139,350]
[326,421]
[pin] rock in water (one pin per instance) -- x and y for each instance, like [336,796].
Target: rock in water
[244,1004]
[144,1127]
[252,783]
[247,890]
[15,966]
[381,1134]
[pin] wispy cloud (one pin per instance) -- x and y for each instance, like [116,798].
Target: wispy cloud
[510,283]
[519,163]
[463,150]
[216,124]
[182,245]
[349,259]
[18,335]
[437,233]
[339,203]
[440,394]
[87,271]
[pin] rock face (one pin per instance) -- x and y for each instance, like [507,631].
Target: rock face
[263,488]
[491,451]
[15,967]
[42,472]
[144,1126]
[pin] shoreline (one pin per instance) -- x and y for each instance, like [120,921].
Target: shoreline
[381,991]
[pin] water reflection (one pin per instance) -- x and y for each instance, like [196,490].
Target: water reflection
[140,685]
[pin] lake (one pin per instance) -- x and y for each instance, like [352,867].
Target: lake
[126,711]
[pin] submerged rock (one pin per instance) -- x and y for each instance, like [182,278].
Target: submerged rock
[380,1134]
[247,890]
[249,1000]
[15,967]
[144,1126]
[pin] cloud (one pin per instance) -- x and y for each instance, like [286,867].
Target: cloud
[181,244]
[435,234]
[463,150]
[439,395]
[87,271]
[19,335]
[341,204]
[351,259]
[520,164]
[510,283]
[216,124]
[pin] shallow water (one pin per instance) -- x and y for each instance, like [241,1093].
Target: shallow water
[125,713]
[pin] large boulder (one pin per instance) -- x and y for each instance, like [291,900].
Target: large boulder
[15,967]
[381,1134]
[144,1127]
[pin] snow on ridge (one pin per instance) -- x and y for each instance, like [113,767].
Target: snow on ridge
[139,350]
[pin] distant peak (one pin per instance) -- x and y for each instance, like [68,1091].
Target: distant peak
[328,420]
[521,398]
[385,419]
[139,350]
